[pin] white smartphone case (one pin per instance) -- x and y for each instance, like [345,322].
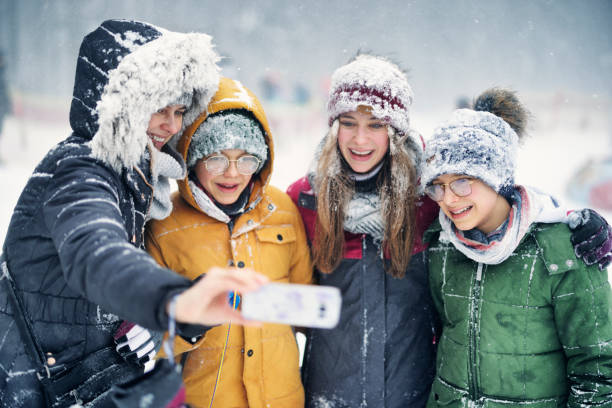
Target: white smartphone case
[293,304]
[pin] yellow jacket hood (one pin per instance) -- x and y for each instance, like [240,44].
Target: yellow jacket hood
[231,95]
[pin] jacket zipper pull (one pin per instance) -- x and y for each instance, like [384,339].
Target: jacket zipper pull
[479,272]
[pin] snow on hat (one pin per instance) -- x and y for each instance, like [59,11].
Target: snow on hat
[372,81]
[228,130]
[481,143]
[477,144]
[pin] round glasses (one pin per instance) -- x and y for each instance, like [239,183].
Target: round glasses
[461,187]
[246,165]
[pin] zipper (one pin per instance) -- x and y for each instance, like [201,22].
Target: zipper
[474,325]
[149,204]
[364,317]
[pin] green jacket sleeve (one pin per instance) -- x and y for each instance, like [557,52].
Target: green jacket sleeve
[582,310]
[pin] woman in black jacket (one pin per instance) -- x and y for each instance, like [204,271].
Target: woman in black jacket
[73,252]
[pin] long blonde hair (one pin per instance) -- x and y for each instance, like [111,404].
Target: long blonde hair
[396,187]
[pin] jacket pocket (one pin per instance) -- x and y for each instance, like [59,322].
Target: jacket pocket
[276,245]
[444,395]
[277,234]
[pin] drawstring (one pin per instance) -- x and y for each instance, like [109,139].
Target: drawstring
[234,298]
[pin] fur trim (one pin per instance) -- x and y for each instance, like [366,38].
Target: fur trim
[151,77]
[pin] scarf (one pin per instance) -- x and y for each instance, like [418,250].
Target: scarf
[164,166]
[529,206]
[212,208]
[363,213]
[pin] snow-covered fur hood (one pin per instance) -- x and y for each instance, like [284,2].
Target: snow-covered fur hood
[126,71]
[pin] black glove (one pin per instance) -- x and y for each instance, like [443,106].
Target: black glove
[591,237]
[137,344]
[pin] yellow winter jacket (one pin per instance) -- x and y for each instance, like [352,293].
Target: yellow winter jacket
[261,364]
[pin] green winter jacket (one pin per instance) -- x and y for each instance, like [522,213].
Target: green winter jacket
[534,331]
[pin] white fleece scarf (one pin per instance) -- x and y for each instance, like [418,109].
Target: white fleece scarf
[532,207]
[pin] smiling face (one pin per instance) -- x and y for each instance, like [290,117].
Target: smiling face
[483,208]
[165,123]
[226,187]
[363,139]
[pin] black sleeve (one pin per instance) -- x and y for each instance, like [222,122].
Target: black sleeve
[82,212]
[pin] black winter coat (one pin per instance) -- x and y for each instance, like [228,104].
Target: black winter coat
[74,246]
[382,353]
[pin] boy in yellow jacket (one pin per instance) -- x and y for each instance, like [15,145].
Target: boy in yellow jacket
[226,214]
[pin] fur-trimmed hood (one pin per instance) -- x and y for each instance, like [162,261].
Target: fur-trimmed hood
[126,71]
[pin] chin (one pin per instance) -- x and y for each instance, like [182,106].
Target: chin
[226,200]
[362,168]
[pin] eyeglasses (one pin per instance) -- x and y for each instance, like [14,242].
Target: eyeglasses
[218,164]
[461,187]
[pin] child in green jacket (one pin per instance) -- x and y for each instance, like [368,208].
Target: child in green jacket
[525,323]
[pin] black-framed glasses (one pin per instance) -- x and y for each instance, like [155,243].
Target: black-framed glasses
[218,164]
[461,187]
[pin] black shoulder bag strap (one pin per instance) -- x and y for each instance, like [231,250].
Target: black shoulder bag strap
[25,329]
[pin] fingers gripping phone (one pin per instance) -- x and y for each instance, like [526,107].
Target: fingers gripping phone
[293,304]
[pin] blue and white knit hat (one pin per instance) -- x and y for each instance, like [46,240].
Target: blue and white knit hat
[473,143]
[234,129]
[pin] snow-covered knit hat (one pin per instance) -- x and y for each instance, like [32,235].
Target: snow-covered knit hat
[480,143]
[372,81]
[233,129]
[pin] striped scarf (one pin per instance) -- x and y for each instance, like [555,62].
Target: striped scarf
[529,206]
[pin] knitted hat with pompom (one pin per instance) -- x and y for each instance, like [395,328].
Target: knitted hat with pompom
[481,143]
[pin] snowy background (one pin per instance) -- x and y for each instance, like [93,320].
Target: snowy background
[556,54]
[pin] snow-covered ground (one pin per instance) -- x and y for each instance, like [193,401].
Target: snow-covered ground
[564,134]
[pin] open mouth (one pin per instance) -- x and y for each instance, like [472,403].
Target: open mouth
[361,155]
[158,141]
[227,188]
[460,213]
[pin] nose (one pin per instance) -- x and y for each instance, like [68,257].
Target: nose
[172,123]
[449,196]
[360,135]
[232,170]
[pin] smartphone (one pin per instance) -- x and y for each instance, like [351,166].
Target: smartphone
[293,304]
